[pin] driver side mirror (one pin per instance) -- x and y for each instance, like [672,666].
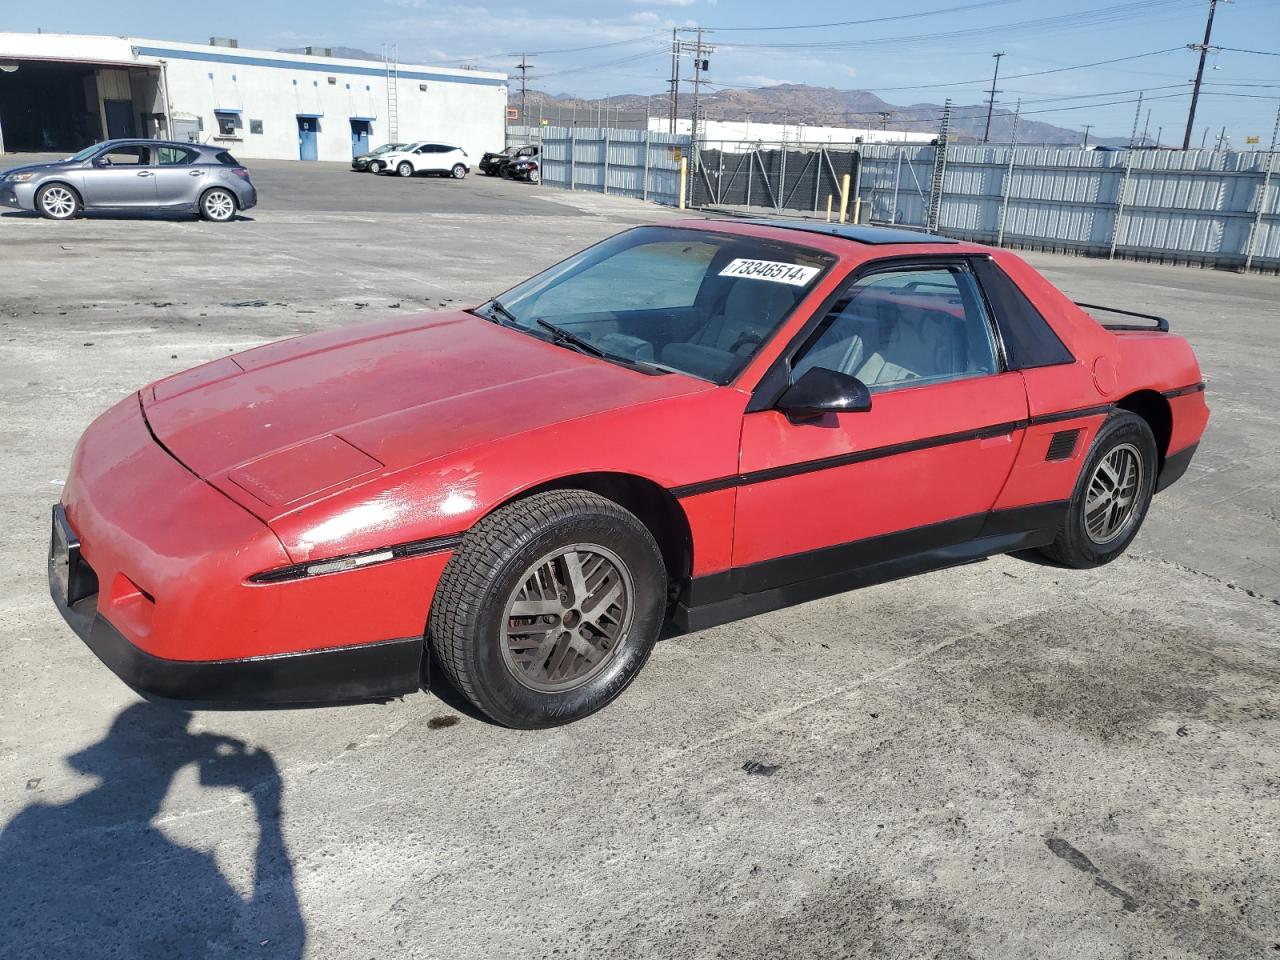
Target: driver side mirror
[820,391]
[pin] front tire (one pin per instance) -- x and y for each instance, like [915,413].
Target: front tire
[218,205]
[375,166]
[405,168]
[1111,496]
[458,171]
[58,202]
[549,608]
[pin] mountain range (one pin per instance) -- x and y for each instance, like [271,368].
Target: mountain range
[797,103]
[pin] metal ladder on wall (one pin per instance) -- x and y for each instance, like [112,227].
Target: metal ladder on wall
[391,60]
[939,170]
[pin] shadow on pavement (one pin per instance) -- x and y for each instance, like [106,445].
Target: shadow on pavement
[96,877]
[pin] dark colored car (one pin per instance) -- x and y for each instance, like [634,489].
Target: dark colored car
[368,162]
[526,169]
[122,175]
[495,164]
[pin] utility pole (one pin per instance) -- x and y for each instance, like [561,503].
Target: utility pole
[523,67]
[675,81]
[1087,128]
[884,119]
[697,86]
[991,103]
[1195,90]
[1146,127]
[1133,136]
[1221,139]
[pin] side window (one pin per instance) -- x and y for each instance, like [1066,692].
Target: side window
[228,123]
[175,156]
[906,327]
[425,148]
[226,159]
[131,156]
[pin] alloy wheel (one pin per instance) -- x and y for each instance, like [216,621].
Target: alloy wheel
[1111,502]
[219,205]
[568,618]
[58,202]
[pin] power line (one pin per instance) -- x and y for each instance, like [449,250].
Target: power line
[863,23]
[1082,18]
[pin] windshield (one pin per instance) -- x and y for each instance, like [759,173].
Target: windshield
[386,148]
[84,154]
[693,302]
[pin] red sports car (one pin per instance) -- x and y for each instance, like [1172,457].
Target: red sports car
[692,422]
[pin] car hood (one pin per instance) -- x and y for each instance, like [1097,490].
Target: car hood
[39,167]
[294,420]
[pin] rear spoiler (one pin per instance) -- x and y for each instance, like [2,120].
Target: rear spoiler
[1162,324]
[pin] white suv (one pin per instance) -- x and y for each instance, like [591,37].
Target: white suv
[422,157]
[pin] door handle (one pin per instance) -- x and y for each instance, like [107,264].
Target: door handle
[195,173]
[144,173]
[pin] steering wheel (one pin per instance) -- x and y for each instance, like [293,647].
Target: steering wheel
[745,340]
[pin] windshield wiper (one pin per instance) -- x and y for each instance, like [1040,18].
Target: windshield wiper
[569,338]
[498,307]
[565,336]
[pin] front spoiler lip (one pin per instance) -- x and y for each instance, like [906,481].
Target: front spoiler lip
[369,671]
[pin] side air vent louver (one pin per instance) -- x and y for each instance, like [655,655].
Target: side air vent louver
[1063,445]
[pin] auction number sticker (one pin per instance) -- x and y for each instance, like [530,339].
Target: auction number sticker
[793,273]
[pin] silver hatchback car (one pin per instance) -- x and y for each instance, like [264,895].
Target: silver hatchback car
[121,175]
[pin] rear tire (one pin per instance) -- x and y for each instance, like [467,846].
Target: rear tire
[58,202]
[405,168]
[1111,496]
[593,578]
[218,205]
[458,171]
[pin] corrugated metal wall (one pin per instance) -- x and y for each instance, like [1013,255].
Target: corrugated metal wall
[1198,206]
[630,163]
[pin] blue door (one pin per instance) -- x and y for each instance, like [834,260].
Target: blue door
[307,129]
[360,132]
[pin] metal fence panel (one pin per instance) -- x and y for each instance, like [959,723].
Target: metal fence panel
[1197,206]
[630,163]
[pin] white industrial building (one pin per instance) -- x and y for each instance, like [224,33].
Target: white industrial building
[739,135]
[62,92]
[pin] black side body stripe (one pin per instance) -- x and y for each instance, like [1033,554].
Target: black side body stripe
[876,453]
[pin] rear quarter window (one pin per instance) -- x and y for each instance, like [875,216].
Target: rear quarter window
[226,159]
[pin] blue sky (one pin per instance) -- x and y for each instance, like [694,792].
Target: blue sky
[592,48]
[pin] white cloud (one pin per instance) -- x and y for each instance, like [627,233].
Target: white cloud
[665,3]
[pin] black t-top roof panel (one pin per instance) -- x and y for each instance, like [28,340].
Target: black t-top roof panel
[855,232]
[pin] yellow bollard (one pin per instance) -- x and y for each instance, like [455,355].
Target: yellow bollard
[857,210]
[844,198]
[684,169]
[828,208]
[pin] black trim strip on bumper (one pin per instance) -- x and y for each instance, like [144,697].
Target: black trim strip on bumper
[1175,465]
[411,548]
[372,671]
[1183,391]
[876,453]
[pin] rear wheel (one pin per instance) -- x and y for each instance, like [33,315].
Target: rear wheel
[549,608]
[405,168]
[458,171]
[1112,495]
[58,202]
[218,205]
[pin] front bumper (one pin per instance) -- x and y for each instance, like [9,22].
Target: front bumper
[18,196]
[371,671]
